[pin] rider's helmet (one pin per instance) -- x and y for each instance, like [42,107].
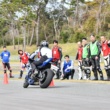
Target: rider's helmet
[44,43]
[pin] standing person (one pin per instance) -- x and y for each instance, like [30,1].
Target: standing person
[95,51]
[67,68]
[23,60]
[5,55]
[79,58]
[57,56]
[106,54]
[86,59]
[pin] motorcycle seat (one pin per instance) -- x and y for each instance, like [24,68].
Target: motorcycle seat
[45,63]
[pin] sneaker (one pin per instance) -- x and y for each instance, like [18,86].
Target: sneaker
[102,79]
[88,79]
[62,78]
[56,78]
[80,78]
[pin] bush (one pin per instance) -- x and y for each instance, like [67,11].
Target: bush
[78,36]
[65,36]
[20,40]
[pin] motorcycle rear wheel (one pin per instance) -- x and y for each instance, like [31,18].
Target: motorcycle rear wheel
[47,78]
[26,84]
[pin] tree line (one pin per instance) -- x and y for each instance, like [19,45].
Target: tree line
[27,22]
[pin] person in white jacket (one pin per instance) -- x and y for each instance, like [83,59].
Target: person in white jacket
[67,68]
[45,53]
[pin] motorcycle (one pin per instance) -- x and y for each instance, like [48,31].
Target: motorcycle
[42,76]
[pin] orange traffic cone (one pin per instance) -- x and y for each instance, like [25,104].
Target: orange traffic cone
[5,79]
[52,83]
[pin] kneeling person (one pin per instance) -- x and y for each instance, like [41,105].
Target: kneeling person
[67,68]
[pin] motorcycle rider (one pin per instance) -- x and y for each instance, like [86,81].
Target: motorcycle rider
[106,55]
[45,53]
[95,51]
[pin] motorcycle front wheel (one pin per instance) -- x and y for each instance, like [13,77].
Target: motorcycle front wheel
[25,84]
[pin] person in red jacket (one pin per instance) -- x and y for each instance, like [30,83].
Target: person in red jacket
[23,60]
[79,58]
[57,56]
[106,54]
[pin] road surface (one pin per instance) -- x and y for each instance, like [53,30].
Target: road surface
[65,95]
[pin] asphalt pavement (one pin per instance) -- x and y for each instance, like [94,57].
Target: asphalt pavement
[65,95]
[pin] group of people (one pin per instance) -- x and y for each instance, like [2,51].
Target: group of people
[43,53]
[88,55]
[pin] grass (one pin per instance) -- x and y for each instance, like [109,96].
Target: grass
[68,48]
[13,51]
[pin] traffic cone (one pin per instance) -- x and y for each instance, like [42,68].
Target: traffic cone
[52,83]
[5,79]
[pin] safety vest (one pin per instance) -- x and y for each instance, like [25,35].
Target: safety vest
[80,50]
[105,48]
[24,58]
[55,53]
[85,52]
[93,48]
[66,65]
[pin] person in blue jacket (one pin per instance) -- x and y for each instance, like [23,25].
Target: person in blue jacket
[5,55]
[67,68]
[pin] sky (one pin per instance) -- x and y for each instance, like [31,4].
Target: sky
[88,0]
[20,14]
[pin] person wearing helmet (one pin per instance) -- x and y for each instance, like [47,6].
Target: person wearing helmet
[45,53]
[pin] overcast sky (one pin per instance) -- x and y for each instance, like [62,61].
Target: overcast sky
[88,0]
